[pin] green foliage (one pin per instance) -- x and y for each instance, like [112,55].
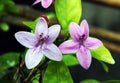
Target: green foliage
[111,81]
[70,60]
[4,27]
[7,6]
[2,8]
[90,81]
[102,54]
[57,72]
[7,77]
[35,79]
[105,67]
[31,24]
[68,11]
[50,15]
[8,60]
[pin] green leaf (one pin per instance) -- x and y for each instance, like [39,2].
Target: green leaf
[35,79]
[105,67]
[31,24]
[2,7]
[4,27]
[102,54]
[8,60]
[70,60]
[112,81]
[57,72]
[90,81]
[68,11]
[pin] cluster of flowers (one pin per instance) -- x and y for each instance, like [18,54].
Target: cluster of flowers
[41,42]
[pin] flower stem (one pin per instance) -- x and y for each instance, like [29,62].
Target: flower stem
[42,68]
[30,75]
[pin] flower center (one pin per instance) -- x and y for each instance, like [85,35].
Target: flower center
[81,42]
[42,40]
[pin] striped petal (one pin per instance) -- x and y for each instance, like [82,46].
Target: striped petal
[84,28]
[36,2]
[84,57]
[69,46]
[27,39]
[53,33]
[33,57]
[75,31]
[92,43]
[52,52]
[41,28]
[46,3]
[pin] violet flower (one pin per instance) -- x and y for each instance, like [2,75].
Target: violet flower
[44,3]
[81,43]
[40,43]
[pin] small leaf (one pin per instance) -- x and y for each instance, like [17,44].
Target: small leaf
[112,81]
[2,7]
[68,11]
[4,27]
[57,72]
[70,60]
[8,60]
[31,24]
[105,67]
[35,79]
[90,81]
[102,54]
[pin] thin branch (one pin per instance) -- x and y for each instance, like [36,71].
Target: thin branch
[106,34]
[111,46]
[41,68]
[30,75]
[111,3]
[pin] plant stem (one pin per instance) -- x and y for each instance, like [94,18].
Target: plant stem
[30,75]
[42,68]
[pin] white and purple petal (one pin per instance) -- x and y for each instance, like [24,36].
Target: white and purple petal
[92,43]
[41,28]
[74,30]
[52,52]
[69,46]
[84,28]
[46,3]
[27,39]
[33,57]
[36,2]
[84,57]
[53,33]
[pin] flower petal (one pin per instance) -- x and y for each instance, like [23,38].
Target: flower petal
[33,57]
[74,30]
[27,39]
[46,3]
[41,28]
[69,46]
[85,28]
[92,43]
[52,52]
[36,2]
[53,33]
[84,57]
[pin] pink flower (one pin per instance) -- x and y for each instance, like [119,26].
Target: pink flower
[45,3]
[40,43]
[81,43]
